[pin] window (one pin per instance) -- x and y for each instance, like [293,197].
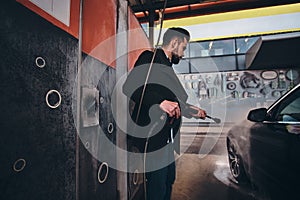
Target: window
[289,109]
[213,64]
[60,9]
[211,56]
[244,44]
[212,48]
[182,67]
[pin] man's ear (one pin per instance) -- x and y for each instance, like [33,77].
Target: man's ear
[174,43]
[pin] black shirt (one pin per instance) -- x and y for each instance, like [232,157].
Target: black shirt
[162,84]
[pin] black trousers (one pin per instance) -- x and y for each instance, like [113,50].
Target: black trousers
[160,176]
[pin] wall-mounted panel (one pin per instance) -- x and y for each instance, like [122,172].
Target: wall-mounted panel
[38,135]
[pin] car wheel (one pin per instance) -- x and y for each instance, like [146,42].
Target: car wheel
[236,164]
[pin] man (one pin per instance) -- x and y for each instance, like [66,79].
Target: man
[159,102]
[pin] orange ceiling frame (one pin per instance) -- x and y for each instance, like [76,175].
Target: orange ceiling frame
[191,7]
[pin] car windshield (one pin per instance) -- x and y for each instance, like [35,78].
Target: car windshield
[289,110]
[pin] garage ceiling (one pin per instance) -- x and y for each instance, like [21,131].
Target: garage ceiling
[187,8]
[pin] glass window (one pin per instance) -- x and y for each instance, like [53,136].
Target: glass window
[244,44]
[196,49]
[182,67]
[212,48]
[241,62]
[187,51]
[289,109]
[219,55]
[57,9]
[213,64]
[222,47]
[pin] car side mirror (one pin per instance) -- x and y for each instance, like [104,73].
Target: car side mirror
[257,115]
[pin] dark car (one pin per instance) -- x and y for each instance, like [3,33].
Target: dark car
[264,150]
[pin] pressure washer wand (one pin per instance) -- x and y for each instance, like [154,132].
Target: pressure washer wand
[216,120]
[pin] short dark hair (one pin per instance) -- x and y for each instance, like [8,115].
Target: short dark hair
[180,33]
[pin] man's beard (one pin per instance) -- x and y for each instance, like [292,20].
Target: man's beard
[175,58]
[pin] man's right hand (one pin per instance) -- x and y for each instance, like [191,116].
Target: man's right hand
[170,107]
[198,112]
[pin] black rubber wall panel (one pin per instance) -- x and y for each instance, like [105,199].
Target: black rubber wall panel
[38,141]
[97,174]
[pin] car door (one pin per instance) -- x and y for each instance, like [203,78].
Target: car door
[287,115]
[274,148]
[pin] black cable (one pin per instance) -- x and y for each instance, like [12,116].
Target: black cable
[142,97]
[216,120]
[152,61]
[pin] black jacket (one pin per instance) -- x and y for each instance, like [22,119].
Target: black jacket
[162,84]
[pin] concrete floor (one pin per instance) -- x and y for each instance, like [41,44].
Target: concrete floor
[206,176]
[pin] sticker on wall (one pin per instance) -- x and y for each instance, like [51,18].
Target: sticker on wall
[187,77]
[212,92]
[202,90]
[276,93]
[292,74]
[269,75]
[217,81]
[249,80]
[194,77]
[208,79]
[195,85]
[232,76]
[274,84]
[282,80]
[231,86]
[235,94]
[265,90]
[188,85]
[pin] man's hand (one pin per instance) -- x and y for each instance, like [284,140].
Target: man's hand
[199,113]
[171,107]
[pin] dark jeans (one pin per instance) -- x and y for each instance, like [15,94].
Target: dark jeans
[160,181]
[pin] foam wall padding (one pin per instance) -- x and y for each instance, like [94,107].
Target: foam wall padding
[97,174]
[38,141]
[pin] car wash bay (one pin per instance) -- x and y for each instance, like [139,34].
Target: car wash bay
[206,176]
[41,154]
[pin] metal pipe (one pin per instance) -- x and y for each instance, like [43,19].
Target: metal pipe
[151,26]
[78,96]
[121,100]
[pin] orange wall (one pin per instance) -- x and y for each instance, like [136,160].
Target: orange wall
[99,29]
[74,18]
[137,39]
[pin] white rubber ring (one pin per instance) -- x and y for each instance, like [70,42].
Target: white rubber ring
[40,62]
[101,100]
[87,145]
[110,128]
[21,160]
[135,178]
[59,99]
[99,172]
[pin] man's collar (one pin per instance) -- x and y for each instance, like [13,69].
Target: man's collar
[166,56]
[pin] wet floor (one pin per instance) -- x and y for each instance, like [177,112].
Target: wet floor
[207,176]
